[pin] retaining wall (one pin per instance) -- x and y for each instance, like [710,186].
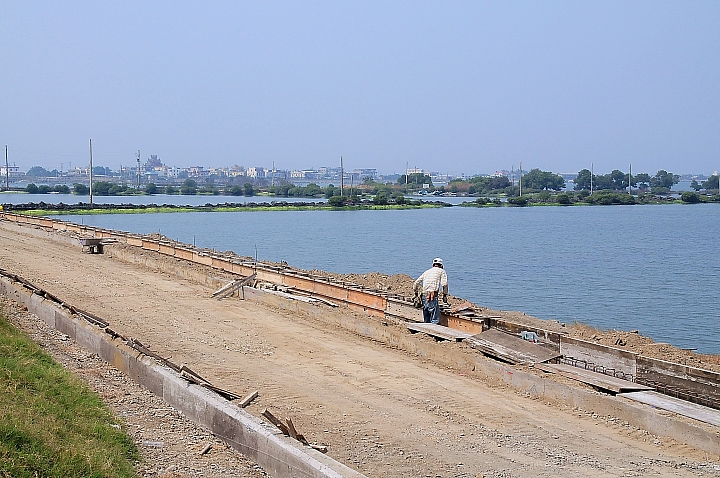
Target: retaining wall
[277,454]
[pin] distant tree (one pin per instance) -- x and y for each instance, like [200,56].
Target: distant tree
[44,189]
[642,180]
[312,189]
[663,179]
[31,188]
[331,191]
[583,181]
[416,179]
[38,172]
[543,180]
[518,201]
[695,185]
[619,180]
[170,190]
[235,190]
[564,199]
[336,201]
[248,189]
[690,197]
[151,188]
[189,187]
[101,188]
[498,182]
[711,183]
[80,189]
[61,188]
[380,199]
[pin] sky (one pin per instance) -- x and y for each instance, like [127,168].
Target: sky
[456,87]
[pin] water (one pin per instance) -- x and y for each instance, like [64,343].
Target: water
[651,268]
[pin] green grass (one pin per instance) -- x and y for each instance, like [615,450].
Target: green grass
[51,424]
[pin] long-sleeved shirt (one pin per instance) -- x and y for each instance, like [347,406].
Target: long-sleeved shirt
[432,280]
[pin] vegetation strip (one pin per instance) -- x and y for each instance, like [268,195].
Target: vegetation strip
[51,424]
[43,209]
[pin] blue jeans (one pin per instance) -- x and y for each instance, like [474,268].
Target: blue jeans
[431,310]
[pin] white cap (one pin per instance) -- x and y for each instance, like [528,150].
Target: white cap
[437,261]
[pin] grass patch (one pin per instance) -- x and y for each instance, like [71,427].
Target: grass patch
[51,423]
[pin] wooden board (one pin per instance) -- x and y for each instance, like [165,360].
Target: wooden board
[439,331]
[510,348]
[676,405]
[600,380]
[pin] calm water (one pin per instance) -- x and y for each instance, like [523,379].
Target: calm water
[651,268]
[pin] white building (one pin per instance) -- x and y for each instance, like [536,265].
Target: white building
[11,172]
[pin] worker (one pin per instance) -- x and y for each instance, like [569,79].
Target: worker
[431,282]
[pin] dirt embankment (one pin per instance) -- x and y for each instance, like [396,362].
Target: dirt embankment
[380,409]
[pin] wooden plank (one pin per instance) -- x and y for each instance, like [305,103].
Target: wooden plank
[512,349]
[469,326]
[676,405]
[600,380]
[439,331]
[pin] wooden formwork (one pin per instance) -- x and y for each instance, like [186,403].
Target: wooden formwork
[150,245]
[166,248]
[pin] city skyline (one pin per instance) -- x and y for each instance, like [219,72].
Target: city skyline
[455,87]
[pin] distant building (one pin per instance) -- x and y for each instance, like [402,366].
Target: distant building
[11,172]
[256,172]
[153,163]
[197,172]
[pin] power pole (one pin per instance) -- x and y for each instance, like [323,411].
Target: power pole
[138,169]
[630,179]
[342,177]
[91,171]
[406,177]
[592,173]
[7,171]
[520,178]
[272,178]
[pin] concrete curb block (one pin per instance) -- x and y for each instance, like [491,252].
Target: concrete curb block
[278,455]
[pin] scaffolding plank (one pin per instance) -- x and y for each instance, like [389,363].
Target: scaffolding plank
[600,380]
[439,331]
[512,349]
[676,405]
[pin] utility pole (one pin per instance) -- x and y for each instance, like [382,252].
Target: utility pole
[520,178]
[91,171]
[272,178]
[630,179]
[342,177]
[7,171]
[138,169]
[592,173]
[512,175]
[406,177]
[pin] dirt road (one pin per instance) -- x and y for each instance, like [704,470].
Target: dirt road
[379,410]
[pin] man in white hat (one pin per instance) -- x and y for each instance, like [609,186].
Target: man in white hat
[432,281]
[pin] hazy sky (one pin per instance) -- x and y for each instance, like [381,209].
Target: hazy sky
[452,86]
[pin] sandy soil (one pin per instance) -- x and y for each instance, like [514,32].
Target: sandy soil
[379,410]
